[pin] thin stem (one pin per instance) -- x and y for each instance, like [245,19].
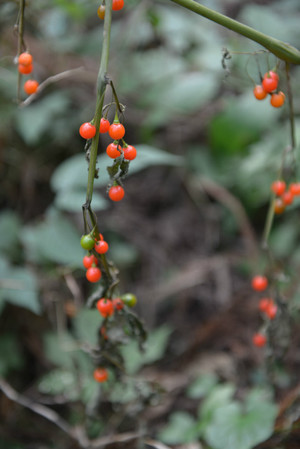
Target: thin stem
[291,107]
[20,43]
[269,223]
[280,49]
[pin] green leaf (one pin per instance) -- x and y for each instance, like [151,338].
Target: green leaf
[202,386]
[181,429]
[72,200]
[55,240]
[87,324]
[10,230]
[60,382]
[19,287]
[242,428]
[154,350]
[11,357]
[71,174]
[218,397]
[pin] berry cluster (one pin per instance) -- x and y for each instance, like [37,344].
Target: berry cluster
[117,5]
[114,150]
[284,196]
[90,262]
[269,86]
[267,307]
[25,68]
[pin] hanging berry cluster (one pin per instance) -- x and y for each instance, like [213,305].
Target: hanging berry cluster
[25,67]
[269,86]
[284,196]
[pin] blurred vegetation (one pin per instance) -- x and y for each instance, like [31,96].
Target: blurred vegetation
[191,121]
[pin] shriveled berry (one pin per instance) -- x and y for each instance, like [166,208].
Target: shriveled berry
[116,193]
[259,340]
[93,274]
[279,206]
[118,303]
[259,283]
[129,152]
[87,130]
[100,375]
[116,131]
[101,13]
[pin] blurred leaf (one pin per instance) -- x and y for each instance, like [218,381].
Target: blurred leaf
[124,392]
[284,237]
[11,357]
[202,386]
[34,121]
[70,174]
[242,428]
[181,429]
[219,396]
[154,350]
[60,382]
[87,324]
[55,240]
[10,230]
[18,287]
[72,200]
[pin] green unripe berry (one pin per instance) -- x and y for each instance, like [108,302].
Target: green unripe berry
[129,299]
[87,242]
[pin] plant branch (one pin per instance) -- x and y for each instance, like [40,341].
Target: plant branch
[282,50]
[20,43]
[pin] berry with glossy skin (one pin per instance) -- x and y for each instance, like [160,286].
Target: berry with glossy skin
[277,99]
[129,152]
[117,5]
[31,86]
[118,303]
[101,13]
[278,187]
[270,81]
[295,188]
[100,375]
[25,69]
[105,307]
[116,193]
[287,197]
[129,299]
[88,261]
[259,92]
[101,247]
[93,274]
[104,125]
[87,242]
[116,131]
[264,304]
[25,59]
[259,283]
[113,150]
[87,130]
[259,340]
[271,311]
[279,206]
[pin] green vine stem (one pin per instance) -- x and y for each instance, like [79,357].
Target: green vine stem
[282,50]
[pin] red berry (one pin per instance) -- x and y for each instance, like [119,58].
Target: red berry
[269,84]
[117,5]
[259,340]
[31,86]
[259,283]
[87,130]
[25,59]
[104,125]
[116,131]
[295,188]
[101,247]
[118,303]
[287,197]
[271,74]
[116,193]
[105,307]
[100,374]
[259,92]
[264,304]
[93,274]
[279,206]
[113,150]
[277,99]
[278,187]
[129,152]
[25,69]
[88,261]
[271,310]
[101,13]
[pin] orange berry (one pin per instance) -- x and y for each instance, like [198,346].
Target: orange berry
[100,375]
[25,58]
[279,206]
[31,86]
[101,12]
[259,92]
[259,340]
[287,197]
[278,187]
[25,69]
[277,99]
[264,304]
[259,283]
[295,188]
